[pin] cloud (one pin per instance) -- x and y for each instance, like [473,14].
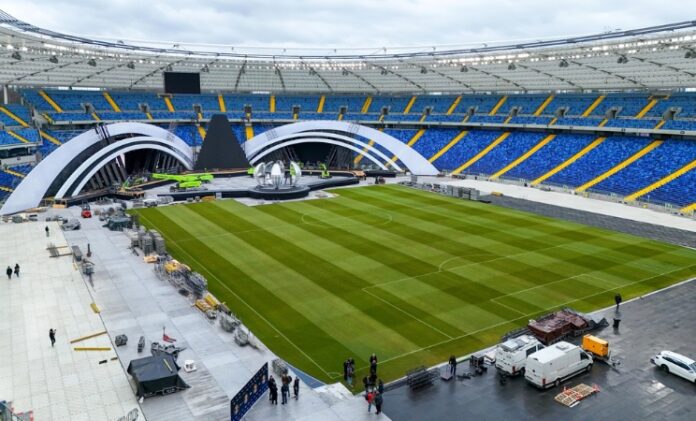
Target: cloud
[357,23]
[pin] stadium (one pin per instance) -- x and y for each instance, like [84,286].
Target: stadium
[191,220]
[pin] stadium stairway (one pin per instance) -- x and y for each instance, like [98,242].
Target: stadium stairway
[14,117]
[481,154]
[543,106]
[592,106]
[320,106]
[499,104]
[647,108]
[366,104]
[272,104]
[411,142]
[661,182]
[453,107]
[620,166]
[13,173]
[49,138]
[50,101]
[111,102]
[249,131]
[524,156]
[201,132]
[360,156]
[447,147]
[221,103]
[17,136]
[410,104]
[689,209]
[168,104]
[569,161]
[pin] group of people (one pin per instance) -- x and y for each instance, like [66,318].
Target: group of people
[286,381]
[9,271]
[374,387]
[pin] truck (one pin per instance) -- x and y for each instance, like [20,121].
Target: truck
[555,364]
[511,355]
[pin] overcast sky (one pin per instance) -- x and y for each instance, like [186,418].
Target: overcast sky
[352,23]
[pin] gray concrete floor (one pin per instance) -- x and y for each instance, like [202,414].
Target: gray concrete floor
[635,390]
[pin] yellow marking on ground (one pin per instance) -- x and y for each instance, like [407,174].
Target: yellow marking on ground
[543,106]
[570,160]
[497,106]
[661,182]
[448,146]
[592,106]
[633,158]
[524,156]
[481,154]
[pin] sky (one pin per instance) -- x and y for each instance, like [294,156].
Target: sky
[344,24]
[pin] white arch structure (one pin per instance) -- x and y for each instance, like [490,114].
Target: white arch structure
[35,185]
[261,145]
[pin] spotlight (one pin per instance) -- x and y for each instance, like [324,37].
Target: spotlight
[345,72]
[53,59]
[690,54]
[92,62]
[384,72]
[131,65]
[622,60]
[563,63]
[464,69]
[512,66]
[16,55]
[206,69]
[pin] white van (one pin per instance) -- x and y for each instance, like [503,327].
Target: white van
[511,355]
[556,363]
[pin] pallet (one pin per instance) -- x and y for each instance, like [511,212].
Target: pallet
[573,396]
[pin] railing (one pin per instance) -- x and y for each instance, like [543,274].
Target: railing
[6,413]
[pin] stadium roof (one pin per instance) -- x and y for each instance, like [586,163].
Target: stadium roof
[654,58]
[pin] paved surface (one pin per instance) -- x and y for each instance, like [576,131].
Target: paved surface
[57,383]
[635,390]
[642,229]
[135,302]
[572,201]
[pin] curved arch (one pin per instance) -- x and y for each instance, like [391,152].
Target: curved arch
[316,140]
[36,184]
[411,159]
[313,136]
[98,160]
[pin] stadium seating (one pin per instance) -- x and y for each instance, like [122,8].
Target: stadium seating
[599,160]
[681,191]
[510,149]
[353,104]
[436,103]
[465,149]
[574,104]
[433,140]
[628,104]
[526,104]
[550,156]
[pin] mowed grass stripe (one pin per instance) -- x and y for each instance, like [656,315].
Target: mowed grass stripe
[336,281]
[251,300]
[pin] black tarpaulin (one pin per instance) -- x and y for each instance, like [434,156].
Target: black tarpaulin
[156,374]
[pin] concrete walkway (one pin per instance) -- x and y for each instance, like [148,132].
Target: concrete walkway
[57,383]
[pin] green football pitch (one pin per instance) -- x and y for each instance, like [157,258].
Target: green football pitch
[412,276]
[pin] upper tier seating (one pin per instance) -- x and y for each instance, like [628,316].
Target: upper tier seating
[629,104]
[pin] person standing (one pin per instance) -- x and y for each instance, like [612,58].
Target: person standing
[365,383]
[274,392]
[52,336]
[296,388]
[453,365]
[380,387]
[617,300]
[16,270]
[370,399]
[378,402]
[349,373]
[284,391]
[9,272]
[271,385]
[47,231]
[345,369]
